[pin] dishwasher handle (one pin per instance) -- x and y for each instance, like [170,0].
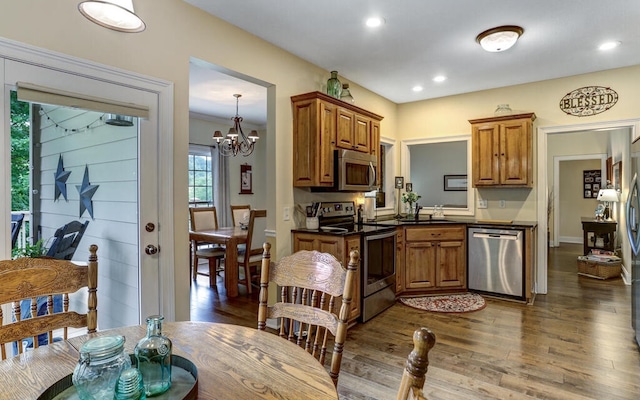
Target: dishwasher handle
[498,236]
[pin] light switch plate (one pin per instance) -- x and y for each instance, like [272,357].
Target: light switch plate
[503,203]
[482,203]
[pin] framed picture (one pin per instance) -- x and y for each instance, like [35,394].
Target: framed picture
[246,179]
[616,175]
[409,187]
[591,183]
[399,182]
[455,183]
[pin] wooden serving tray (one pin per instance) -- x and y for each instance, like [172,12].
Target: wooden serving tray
[184,383]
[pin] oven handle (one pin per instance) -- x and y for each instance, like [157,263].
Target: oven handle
[377,236]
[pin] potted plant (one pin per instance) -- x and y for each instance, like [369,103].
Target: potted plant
[409,198]
[30,250]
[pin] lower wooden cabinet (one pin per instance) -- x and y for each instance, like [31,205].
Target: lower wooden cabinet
[434,259]
[340,247]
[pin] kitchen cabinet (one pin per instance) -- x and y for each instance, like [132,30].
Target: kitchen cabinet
[435,258]
[502,151]
[400,260]
[375,150]
[340,247]
[322,124]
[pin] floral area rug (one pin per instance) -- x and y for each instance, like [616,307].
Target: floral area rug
[453,303]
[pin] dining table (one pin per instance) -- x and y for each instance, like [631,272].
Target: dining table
[230,237]
[232,362]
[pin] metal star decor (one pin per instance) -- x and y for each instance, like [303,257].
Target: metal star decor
[86,192]
[61,177]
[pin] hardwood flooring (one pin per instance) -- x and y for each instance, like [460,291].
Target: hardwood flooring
[576,342]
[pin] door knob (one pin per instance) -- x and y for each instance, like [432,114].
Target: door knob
[151,249]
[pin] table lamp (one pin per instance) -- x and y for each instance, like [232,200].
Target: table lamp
[607,196]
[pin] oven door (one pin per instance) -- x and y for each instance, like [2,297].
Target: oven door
[379,262]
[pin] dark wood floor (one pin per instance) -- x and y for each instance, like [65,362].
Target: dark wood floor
[576,342]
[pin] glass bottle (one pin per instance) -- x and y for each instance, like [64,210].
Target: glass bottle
[153,355]
[102,360]
[334,87]
[502,109]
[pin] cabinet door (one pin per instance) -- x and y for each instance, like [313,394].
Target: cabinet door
[305,139]
[485,147]
[327,141]
[362,134]
[353,243]
[322,243]
[515,150]
[451,271]
[420,259]
[344,130]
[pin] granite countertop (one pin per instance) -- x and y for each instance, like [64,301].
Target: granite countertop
[425,220]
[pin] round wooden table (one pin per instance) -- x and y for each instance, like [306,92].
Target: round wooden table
[233,362]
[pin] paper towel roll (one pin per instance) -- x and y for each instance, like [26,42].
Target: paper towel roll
[369,208]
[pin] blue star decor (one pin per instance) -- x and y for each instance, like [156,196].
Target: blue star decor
[61,177]
[86,192]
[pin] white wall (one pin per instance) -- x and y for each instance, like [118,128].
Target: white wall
[573,205]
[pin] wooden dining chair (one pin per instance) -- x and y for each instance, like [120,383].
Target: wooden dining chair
[250,261]
[32,278]
[314,302]
[202,219]
[240,213]
[416,366]
[66,240]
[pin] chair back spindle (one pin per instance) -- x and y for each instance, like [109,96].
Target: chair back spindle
[415,370]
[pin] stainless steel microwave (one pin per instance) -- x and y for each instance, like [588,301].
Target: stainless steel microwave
[355,171]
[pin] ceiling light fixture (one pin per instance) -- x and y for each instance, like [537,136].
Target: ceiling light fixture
[374,22]
[609,45]
[417,89]
[113,14]
[236,141]
[440,78]
[499,39]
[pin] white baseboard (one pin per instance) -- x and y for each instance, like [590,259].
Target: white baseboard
[570,239]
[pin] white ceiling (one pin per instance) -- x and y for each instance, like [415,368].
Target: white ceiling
[421,39]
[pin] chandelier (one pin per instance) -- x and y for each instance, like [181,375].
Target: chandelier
[236,142]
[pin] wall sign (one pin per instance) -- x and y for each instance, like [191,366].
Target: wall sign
[588,100]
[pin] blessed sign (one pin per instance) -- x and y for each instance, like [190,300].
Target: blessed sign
[588,100]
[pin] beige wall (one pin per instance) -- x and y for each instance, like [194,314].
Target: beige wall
[449,116]
[573,205]
[177,31]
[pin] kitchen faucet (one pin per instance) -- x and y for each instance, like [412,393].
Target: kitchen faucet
[417,214]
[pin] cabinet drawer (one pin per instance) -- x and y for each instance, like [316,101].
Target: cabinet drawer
[456,232]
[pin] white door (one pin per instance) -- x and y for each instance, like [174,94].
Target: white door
[129,286]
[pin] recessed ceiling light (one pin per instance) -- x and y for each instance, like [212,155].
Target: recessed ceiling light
[440,78]
[374,22]
[609,45]
[499,39]
[417,88]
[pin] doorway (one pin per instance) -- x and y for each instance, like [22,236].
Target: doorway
[147,280]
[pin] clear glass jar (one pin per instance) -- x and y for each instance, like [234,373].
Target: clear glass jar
[101,361]
[334,87]
[502,109]
[153,354]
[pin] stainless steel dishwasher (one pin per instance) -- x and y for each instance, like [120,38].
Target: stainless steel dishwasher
[495,261]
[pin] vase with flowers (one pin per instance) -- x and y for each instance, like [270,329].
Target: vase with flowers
[409,198]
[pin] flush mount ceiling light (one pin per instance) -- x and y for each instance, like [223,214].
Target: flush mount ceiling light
[374,22]
[113,14]
[609,45]
[500,38]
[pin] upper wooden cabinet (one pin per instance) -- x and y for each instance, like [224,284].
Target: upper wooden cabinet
[322,124]
[502,151]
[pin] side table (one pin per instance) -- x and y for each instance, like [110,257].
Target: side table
[598,234]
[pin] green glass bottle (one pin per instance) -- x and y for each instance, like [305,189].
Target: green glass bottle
[334,87]
[153,354]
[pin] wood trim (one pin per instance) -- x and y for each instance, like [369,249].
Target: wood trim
[333,100]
